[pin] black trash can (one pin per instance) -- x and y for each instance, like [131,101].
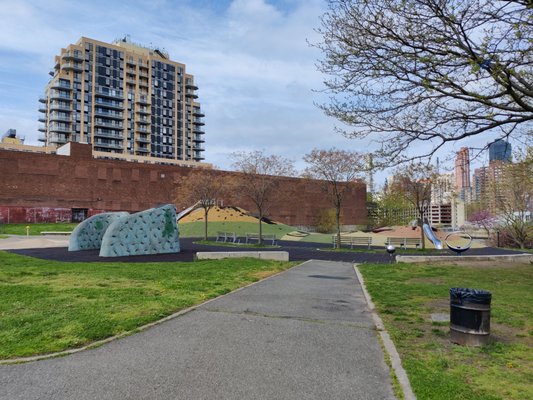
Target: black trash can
[469,316]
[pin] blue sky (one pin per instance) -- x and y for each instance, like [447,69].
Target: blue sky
[250,58]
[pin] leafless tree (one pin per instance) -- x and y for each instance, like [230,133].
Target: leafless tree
[202,186]
[413,182]
[337,169]
[408,72]
[259,180]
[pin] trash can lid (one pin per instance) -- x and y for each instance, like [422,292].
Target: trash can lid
[470,295]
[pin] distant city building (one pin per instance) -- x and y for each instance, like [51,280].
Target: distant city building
[462,175]
[486,190]
[500,150]
[479,183]
[128,101]
[442,189]
[10,137]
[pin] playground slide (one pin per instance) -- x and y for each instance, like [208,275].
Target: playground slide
[187,211]
[431,236]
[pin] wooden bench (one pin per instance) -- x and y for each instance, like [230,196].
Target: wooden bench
[55,233]
[227,236]
[404,242]
[255,236]
[353,241]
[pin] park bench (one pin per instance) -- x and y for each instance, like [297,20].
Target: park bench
[227,237]
[55,233]
[403,242]
[353,241]
[255,236]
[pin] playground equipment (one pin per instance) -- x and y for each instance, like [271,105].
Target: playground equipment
[89,233]
[431,236]
[459,249]
[188,210]
[152,231]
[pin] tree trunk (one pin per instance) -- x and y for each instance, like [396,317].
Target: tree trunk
[422,236]
[338,221]
[260,241]
[206,211]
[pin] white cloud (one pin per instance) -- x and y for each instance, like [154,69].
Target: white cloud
[250,59]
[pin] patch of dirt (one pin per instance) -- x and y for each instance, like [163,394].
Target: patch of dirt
[221,214]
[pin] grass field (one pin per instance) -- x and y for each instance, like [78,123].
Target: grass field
[196,229]
[407,294]
[48,306]
[36,229]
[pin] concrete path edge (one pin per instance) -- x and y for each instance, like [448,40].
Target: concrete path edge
[388,344]
[98,343]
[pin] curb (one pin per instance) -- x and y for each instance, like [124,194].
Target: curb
[98,343]
[394,357]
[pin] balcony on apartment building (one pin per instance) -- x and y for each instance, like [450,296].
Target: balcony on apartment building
[59,106]
[104,112]
[62,127]
[190,93]
[72,66]
[142,110]
[109,103]
[59,84]
[107,134]
[111,123]
[108,145]
[142,139]
[109,93]
[61,117]
[72,55]
[59,95]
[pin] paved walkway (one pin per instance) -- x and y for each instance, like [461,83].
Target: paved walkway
[304,334]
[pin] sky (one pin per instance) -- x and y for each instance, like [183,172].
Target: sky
[251,59]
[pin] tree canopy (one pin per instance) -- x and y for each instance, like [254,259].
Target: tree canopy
[337,169]
[408,72]
[257,181]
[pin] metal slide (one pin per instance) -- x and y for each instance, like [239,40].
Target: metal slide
[187,210]
[431,236]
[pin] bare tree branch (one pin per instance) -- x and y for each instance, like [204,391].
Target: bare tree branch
[439,71]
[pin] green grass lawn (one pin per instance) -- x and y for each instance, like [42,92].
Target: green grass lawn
[407,294]
[36,229]
[318,238]
[48,306]
[196,229]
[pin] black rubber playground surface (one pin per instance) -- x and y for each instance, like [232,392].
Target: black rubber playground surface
[298,251]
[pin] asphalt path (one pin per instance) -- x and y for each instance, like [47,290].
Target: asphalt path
[303,334]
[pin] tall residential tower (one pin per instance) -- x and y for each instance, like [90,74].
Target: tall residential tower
[128,101]
[462,174]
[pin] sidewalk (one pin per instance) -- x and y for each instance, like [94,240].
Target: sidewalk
[304,334]
[33,242]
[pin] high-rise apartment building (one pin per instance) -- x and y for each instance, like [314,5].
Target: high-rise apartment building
[500,150]
[128,101]
[462,174]
[442,189]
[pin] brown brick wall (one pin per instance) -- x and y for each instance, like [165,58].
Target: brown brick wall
[33,180]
